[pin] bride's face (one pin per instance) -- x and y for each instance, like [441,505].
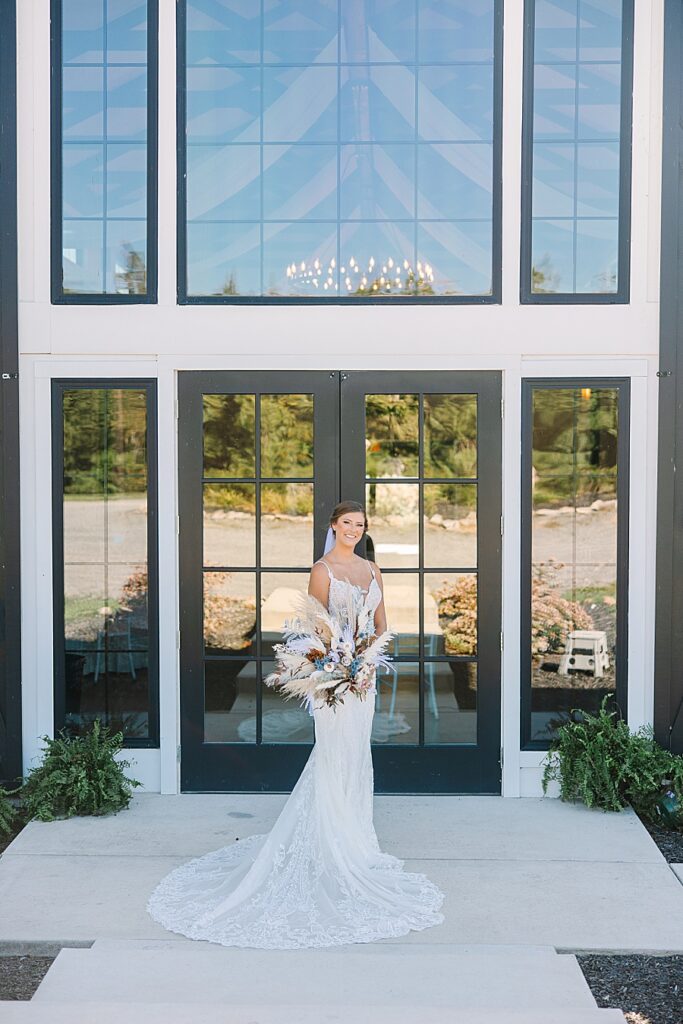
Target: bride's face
[349,529]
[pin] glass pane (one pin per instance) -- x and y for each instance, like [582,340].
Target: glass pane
[392,435]
[455,103]
[287,435]
[126,257]
[450,702]
[597,255]
[229,438]
[574,552]
[82,111]
[229,613]
[230,701]
[387,32]
[300,259]
[82,32]
[82,257]
[300,32]
[450,614]
[106,585]
[287,524]
[282,721]
[450,30]
[127,103]
[377,182]
[393,513]
[574,430]
[455,181]
[104,100]
[222,32]
[450,435]
[281,593]
[224,259]
[552,256]
[397,703]
[299,105]
[112,686]
[85,604]
[303,127]
[126,31]
[379,259]
[229,524]
[450,525]
[377,103]
[454,258]
[402,603]
[222,103]
[223,183]
[83,182]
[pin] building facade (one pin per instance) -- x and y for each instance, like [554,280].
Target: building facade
[274,255]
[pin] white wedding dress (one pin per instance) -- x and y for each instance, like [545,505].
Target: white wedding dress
[318,878]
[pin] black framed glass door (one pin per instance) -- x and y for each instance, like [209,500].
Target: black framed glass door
[423,451]
[263,457]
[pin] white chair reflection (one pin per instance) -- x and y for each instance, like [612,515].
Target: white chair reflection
[118,651]
[409,644]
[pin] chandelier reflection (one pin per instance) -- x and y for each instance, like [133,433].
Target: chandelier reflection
[378,277]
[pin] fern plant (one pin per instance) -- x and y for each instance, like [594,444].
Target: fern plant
[597,760]
[7,813]
[79,776]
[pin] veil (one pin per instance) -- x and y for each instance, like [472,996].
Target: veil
[329,540]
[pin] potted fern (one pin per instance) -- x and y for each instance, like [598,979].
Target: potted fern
[78,775]
[597,760]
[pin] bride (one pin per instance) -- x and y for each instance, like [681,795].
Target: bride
[318,878]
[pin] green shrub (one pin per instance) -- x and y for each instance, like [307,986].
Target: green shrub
[597,760]
[79,776]
[7,813]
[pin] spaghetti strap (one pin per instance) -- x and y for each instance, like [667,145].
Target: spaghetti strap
[329,571]
[372,570]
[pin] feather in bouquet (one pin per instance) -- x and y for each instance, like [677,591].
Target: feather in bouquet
[324,656]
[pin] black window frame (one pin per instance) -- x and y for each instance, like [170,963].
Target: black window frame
[622,294]
[184,299]
[58,296]
[623,387]
[59,386]
[10,518]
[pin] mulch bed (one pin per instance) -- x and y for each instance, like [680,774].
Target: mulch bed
[670,843]
[648,989]
[20,976]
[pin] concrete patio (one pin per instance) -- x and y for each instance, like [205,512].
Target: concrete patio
[526,881]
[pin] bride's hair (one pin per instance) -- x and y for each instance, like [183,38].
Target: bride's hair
[348,506]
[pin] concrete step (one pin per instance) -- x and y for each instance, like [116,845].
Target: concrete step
[214,1013]
[347,978]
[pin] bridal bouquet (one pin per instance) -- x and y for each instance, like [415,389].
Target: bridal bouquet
[324,658]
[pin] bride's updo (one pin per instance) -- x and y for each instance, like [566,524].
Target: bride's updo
[348,506]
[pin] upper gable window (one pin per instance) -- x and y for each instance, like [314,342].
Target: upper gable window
[340,149]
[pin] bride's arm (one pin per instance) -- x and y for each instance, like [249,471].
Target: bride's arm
[380,610]
[319,583]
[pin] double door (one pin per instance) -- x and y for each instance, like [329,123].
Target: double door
[263,458]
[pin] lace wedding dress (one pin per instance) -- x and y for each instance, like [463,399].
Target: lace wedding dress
[318,878]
